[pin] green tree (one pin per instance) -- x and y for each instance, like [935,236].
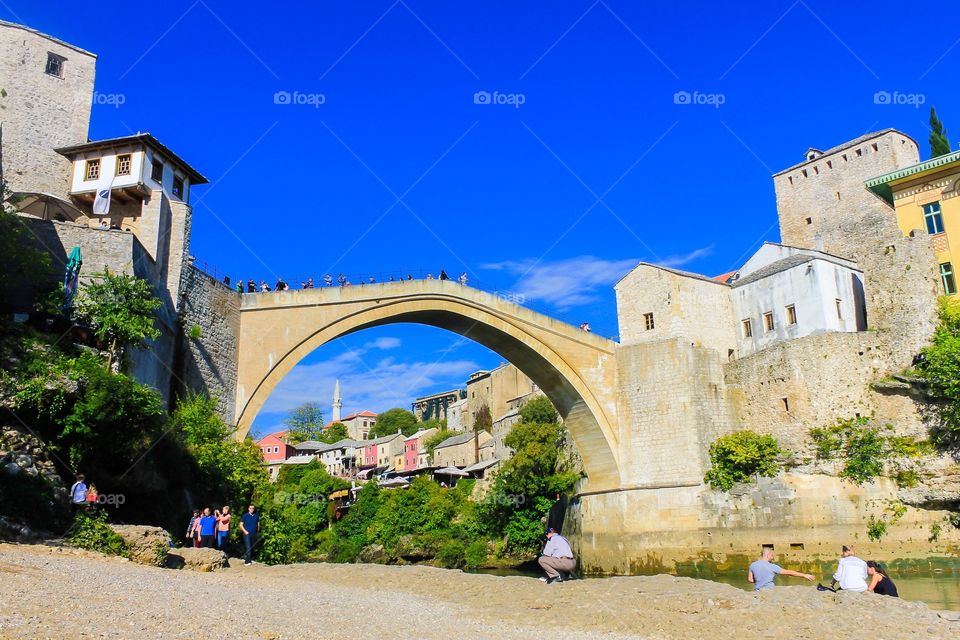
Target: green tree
[941,368]
[390,421]
[120,309]
[539,410]
[20,261]
[939,143]
[305,423]
[739,456]
[482,418]
[334,433]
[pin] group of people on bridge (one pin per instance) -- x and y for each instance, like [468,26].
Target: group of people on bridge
[328,281]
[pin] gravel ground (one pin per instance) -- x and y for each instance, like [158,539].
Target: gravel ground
[62,593]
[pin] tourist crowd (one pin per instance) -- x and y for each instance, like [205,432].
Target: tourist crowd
[212,530]
[328,280]
[852,574]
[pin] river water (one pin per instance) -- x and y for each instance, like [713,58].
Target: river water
[939,590]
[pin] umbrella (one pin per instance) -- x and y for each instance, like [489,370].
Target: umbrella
[450,472]
[45,206]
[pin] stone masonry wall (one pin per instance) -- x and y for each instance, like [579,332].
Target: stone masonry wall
[209,361]
[672,405]
[39,111]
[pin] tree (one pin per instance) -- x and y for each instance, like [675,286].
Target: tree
[739,456]
[335,432]
[19,259]
[390,421]
[539,410]
[305,423]
[941,368]
[482,418]
[939,143]
[120,309]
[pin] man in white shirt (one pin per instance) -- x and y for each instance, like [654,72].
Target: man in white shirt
[557,556]
[851,572]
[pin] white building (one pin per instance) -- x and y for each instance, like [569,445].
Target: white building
[780,293]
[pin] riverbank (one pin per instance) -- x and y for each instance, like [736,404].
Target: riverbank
[64,593]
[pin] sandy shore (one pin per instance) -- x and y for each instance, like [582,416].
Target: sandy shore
[61,593]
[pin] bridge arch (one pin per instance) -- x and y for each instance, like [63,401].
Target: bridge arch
[573,368]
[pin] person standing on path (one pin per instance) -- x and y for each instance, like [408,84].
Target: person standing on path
[763,571]
[851,571]
[208,528]
[557,556]
[223,526]
[250,528]
[192,528]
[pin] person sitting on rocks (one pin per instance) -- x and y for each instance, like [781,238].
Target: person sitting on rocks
[763,571]
[556,557]
[78,492]
[851,572]
[880,582]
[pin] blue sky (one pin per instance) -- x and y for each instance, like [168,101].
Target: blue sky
[578,160]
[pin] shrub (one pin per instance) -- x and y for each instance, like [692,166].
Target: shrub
[476,554]
[452,554]
[876,528]
[863,447]
[907,478]
[739,456]
[90,531]
[941,368]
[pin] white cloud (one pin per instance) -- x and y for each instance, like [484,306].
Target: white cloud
[575,282]
[383,343]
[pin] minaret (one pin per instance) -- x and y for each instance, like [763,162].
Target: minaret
[337,402]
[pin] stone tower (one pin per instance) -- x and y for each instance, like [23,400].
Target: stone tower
[337,402]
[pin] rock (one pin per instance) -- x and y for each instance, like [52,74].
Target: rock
[24,460]
[148,545]
[197,559]
[952,616]
[374,553]
[12,468]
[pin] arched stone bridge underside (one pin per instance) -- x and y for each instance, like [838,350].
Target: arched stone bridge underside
[575,369]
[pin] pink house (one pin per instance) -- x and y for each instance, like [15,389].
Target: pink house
[412,446]
[274,447]
[370,454]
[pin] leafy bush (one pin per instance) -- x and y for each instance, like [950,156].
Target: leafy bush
[907,478]
[452,554]
[940,366]
[876,528]
[90,531]
[475,554]
[865,448]
[739,456]
[538,410]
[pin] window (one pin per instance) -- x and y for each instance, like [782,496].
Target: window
[123,164]
[839,309]
[859,152]
[946,275]
[768,321]
[931,215]
[809,220]
[92,171]
[747,329]
[156,171]
[178,186]
[55,64]
[791,315]
[648,321]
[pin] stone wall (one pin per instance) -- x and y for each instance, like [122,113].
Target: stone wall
[683,305]
[671,406]
[39,111]
[208,361]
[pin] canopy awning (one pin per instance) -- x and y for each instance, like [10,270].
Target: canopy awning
[451,471]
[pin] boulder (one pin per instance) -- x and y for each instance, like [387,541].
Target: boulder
[197,559]
[374,553]
[148,545]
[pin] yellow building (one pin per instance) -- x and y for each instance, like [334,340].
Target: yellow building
[926,197]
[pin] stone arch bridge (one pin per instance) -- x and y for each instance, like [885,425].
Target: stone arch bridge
[575,369]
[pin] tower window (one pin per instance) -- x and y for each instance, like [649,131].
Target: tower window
[648,321]
[839,304]
[92,171]
[791,315]
[809,220]
[747,328]
[156,171]
[946,275]
[55,65]
[178,186]
[768,321]
[933,218]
